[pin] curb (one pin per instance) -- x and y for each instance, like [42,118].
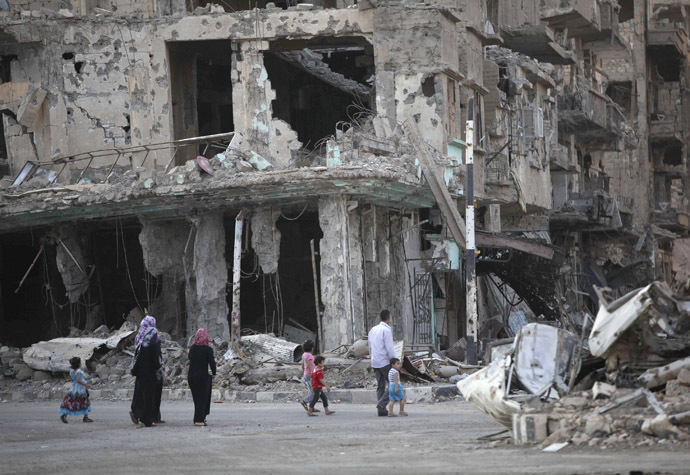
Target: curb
[413,395]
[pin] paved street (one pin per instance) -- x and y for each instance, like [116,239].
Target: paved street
[279,438]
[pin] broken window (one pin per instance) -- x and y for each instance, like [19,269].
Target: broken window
[201,92]
[621,94]
[627,10]
[320,86]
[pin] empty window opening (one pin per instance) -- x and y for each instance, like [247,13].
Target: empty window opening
[666,63]
[78,65]
[68,56]
[6,67]
[621,93]
[673,155]
[320,86]
[120,280]
[201,92]
[269,302]
[627,10]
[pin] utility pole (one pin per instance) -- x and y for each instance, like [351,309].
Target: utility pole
[470,255]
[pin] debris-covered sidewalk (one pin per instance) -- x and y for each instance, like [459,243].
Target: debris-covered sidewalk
[628,382]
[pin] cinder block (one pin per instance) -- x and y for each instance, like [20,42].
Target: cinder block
[216,395]
[6,396]
[283,396]
[107,393]
[530,428]
[17,396]
[95,393]
[229,395]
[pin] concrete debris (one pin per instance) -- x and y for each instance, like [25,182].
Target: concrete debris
[613,405]
[54,355]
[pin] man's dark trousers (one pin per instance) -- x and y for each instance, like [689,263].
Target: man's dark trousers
[382,387]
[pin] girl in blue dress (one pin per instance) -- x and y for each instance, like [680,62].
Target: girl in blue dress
[76,403]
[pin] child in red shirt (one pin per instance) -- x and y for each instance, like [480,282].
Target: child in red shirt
[317,385]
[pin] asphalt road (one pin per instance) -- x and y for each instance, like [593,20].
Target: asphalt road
[280,438]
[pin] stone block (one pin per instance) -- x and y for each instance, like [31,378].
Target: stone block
[246,396]
[264,396]
[285,396]
[340,395]
[216,395]
[95,393]
[530,428]
[107,393]
[418,394]
[229,395]
[6,396]
[41,376]
[363,396]
[17,395]
[597,426]
[675,388]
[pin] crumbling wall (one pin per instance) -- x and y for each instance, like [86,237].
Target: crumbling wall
[337,320]
[266,237]
[208,278]
[108,82]
[410,52]
[71,246]
[163,245]
[385,274]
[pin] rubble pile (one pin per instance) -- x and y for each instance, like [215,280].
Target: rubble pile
[627,383]
[265,363]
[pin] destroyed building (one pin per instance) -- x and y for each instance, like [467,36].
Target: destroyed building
[154,152]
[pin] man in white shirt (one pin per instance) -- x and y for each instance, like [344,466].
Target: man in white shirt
[381,351]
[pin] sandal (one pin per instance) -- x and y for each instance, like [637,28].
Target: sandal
[317,410]
[330,413]
[403,413]
[199,424]
[63,418]
[391,414]
[304,405]
[134,418]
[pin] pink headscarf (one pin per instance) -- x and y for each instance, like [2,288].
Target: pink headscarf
[201,337]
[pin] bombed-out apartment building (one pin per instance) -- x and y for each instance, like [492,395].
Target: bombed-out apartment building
[287,166]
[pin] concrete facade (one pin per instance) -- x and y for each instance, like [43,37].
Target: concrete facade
[580,161]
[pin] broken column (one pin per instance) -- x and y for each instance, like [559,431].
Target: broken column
[266,237]
[163,244]
[337,322]
[71,261]
[207,278]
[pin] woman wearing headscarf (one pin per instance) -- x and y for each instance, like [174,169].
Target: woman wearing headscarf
[200,360]
[148,369]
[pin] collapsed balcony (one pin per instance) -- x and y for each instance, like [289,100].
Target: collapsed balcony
[589,115]
[586,19]
[665,26]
